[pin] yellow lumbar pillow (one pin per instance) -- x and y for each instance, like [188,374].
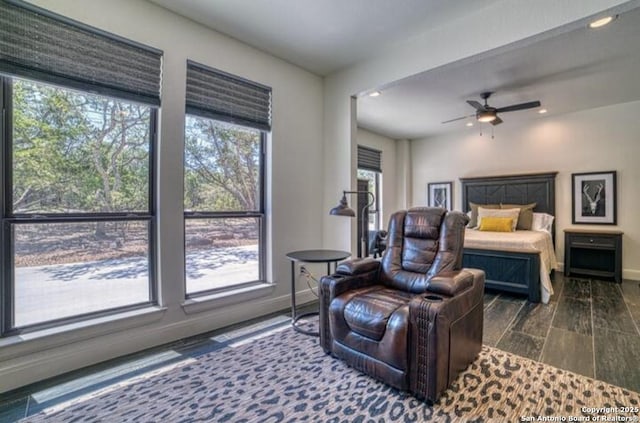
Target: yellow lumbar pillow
[496,224]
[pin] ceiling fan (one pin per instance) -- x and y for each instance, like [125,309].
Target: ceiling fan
[486,113]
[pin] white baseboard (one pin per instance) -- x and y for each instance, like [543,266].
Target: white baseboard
[59,359]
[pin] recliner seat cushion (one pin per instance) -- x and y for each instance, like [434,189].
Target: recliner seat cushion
[368,314]
[373,321]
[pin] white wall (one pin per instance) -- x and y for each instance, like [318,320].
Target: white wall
[387,146]
[295,177]
[602,139]
[500,23]
[403,174]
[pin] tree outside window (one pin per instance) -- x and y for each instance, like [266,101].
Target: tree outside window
[223,205]
[79,208]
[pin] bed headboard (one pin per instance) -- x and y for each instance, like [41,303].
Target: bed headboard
[537,188]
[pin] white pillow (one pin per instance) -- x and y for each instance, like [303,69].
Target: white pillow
[542,222]
[512,213]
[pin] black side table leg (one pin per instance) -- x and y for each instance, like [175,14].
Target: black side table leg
[293,291]
[294,316]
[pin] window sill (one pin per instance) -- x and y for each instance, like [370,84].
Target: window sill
[14,346]
[228,297]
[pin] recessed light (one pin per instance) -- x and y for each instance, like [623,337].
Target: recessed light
[469,123]
[542,111]
[598,23]
[374,94]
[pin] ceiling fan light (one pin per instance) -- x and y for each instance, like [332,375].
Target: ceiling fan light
[486,116]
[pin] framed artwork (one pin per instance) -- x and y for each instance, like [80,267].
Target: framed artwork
[593,198]
[439,194]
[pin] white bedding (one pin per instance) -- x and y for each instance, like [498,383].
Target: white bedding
[539,241]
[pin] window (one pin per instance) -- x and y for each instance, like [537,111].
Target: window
[225,135]
[223,205]
[374,187]
[78,136]
[370,169]
[78,204]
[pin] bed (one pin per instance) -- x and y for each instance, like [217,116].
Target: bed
[518,263]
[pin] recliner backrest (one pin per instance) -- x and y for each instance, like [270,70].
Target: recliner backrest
[422,242]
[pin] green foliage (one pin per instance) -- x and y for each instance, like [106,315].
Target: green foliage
[222,166]
[76,152]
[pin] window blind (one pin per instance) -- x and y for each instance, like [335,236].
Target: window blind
[369,159]
[216,94]
[36,43]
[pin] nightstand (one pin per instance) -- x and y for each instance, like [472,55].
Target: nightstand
[593,253]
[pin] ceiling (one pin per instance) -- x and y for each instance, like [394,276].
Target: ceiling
[322,36]
[575,70]
[570,71]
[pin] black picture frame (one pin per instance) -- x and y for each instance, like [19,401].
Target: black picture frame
[440,194]
[594,198]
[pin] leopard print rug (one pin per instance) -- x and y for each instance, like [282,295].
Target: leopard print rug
[286,377]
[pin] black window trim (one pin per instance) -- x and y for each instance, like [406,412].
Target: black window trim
[259,214]
[9,219]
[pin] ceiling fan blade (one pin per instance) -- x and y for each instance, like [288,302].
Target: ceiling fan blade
[496,121]
[458,118]
[521,106]
[475,105]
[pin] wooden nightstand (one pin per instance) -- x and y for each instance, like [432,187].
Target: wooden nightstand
[593,253]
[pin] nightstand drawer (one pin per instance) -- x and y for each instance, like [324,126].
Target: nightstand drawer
[596,241]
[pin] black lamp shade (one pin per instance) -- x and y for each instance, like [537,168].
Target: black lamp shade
[343,209]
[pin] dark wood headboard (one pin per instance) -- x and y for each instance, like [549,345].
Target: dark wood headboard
[537,188]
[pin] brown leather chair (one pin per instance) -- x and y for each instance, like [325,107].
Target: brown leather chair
[413,320]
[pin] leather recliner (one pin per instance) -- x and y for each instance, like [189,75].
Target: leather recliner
[414,319]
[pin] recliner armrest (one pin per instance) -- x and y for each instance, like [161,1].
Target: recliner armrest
[358,274]
[450,283]
[357,266]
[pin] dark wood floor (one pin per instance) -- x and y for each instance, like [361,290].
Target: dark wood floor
[590,327]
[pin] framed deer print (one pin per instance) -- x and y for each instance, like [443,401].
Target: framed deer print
[593,198]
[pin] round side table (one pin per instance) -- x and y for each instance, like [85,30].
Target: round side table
[310,256]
